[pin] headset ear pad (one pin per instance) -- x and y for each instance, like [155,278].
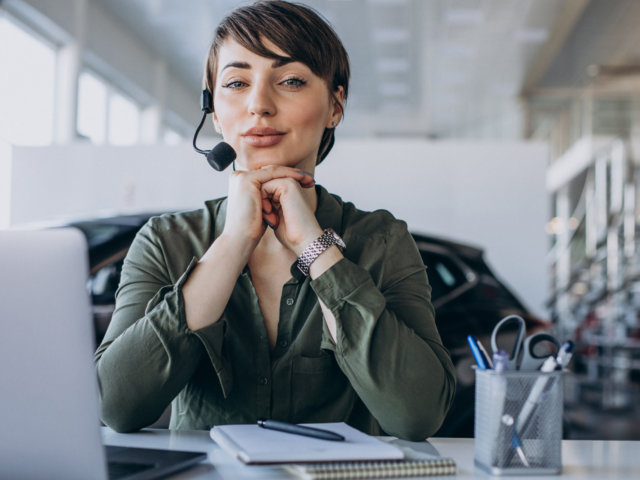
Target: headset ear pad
[206,101]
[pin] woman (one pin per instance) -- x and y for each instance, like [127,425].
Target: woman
[249,308]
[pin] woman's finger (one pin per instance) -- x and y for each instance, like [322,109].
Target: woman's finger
[271,172]
[307,180]
[267,206]
[269,216]
[271,219]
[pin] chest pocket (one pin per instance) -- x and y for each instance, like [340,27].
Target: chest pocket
[320,391]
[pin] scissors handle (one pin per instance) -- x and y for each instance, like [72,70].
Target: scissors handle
[536,349]
[501,327]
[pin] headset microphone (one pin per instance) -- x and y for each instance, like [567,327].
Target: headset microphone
[222,155]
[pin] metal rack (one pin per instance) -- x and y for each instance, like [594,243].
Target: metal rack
[594,258]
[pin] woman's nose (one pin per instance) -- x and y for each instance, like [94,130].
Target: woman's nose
[261,101]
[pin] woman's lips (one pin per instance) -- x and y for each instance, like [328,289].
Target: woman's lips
[262,137]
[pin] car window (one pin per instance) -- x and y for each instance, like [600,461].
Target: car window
[444,275]
[104,283]
[99,233]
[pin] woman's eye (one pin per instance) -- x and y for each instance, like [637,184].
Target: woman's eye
[293,82]
[234,84]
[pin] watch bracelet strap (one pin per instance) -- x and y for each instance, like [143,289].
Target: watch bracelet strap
[316,248]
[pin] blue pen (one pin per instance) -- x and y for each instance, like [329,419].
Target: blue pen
[481,360]
[517,444]
[515,439]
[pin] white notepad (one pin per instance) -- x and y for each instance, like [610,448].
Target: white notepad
[253,444]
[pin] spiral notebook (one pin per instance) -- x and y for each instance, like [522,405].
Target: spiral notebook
[386,469]
[421,460]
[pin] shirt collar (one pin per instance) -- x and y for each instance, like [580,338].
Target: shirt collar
[329,210]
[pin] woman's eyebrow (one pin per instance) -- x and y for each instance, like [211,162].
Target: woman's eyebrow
[243,65]
[280,62]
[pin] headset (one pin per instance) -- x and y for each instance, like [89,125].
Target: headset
[222,155]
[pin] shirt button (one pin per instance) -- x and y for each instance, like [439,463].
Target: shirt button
[263,380]
[283,343]
[289,301]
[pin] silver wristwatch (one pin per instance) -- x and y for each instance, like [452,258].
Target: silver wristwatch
[315,248]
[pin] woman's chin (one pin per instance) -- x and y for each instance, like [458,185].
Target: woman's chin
[256,163]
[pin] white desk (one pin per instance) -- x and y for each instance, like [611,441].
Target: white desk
[582,459]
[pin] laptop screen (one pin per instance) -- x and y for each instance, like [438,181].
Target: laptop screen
[49,398]
[49,395]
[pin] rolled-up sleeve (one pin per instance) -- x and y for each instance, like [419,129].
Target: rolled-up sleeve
[148,353]
[387,343]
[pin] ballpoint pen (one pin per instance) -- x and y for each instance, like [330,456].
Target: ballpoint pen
[549,365]
[300,430]
[564,354]
[481,359]
[500,361]
[485,354]
[515,439]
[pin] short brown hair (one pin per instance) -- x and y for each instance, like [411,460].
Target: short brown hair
[297,30]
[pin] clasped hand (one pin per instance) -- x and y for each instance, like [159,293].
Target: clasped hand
[272,196]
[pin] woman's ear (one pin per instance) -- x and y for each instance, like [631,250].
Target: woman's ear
[216,123]
[337,103]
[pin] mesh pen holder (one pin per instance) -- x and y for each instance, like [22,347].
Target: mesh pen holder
[518,422]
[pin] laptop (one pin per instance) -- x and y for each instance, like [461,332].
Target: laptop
[49,423]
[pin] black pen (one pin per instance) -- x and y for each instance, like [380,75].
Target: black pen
[300,430]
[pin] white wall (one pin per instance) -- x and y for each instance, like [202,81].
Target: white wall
[5,182]
[488,194]
[79,180]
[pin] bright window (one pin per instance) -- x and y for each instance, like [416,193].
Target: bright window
[92,107]
[27,86]
[105,115]
[124,120]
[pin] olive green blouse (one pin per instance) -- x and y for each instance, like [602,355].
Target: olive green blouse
[387,372]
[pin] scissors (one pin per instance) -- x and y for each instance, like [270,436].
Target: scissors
[536,348]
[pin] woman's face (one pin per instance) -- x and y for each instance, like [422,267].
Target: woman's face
[271,112]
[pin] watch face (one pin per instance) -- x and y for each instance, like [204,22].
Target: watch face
[338,240]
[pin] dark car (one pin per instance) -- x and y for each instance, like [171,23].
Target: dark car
[468,299]
[466,295]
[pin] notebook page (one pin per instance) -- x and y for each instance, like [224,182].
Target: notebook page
[253,444]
